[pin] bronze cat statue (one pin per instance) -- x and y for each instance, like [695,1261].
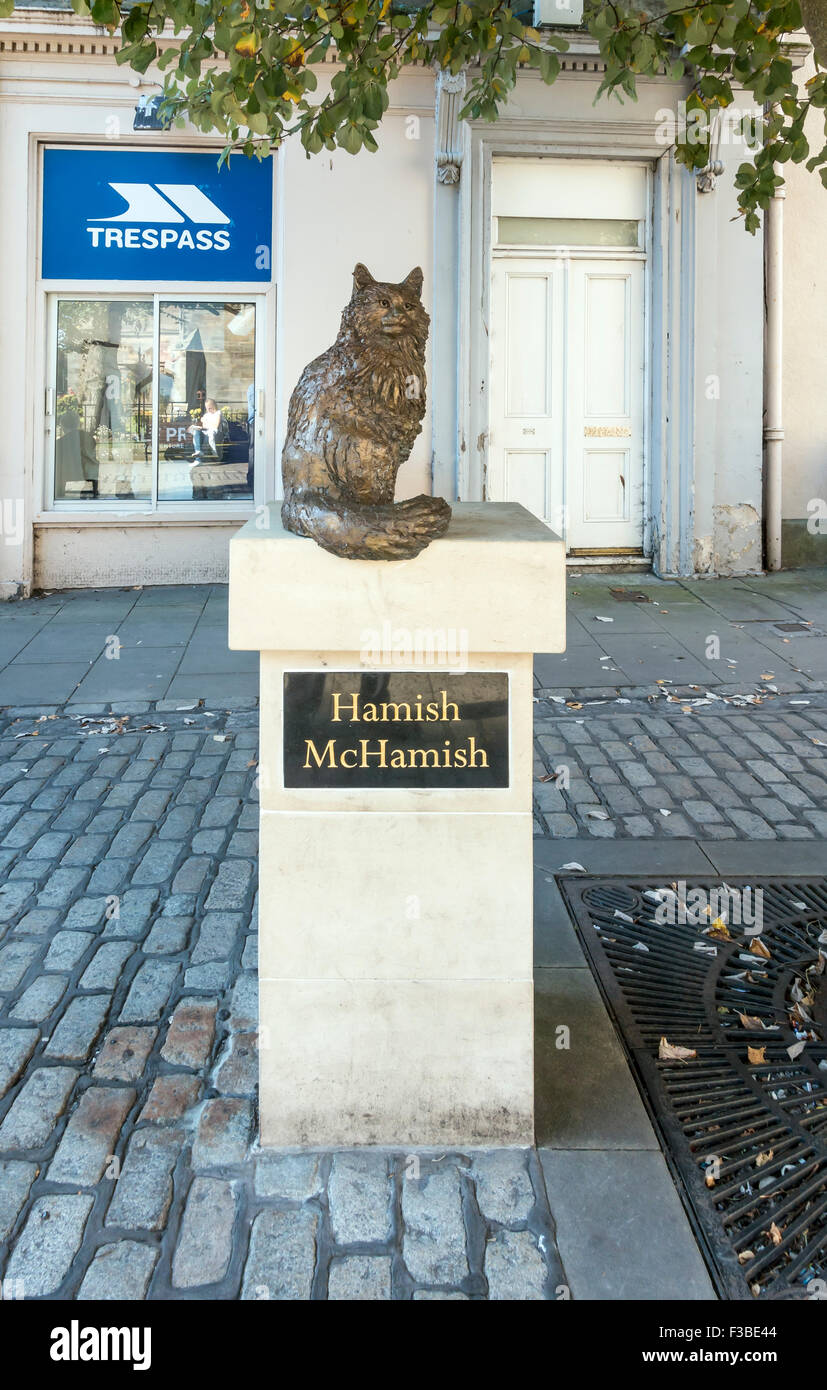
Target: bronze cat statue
[351,424]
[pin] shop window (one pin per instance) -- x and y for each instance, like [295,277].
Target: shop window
[155,400]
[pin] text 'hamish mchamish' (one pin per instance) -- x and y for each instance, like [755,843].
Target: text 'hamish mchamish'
[384,752]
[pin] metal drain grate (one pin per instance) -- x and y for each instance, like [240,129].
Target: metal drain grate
[744,1120]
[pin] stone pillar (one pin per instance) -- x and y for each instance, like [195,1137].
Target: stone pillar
[396,828]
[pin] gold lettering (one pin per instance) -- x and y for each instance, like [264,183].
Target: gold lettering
[329,753]
[424,757]
[396,717]
[354,705]
[398,758]
[473,750]
[446,704]
[376,753]
[343,757]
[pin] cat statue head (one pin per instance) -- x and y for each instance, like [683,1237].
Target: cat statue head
[387,320]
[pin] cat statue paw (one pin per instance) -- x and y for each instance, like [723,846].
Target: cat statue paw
[351,424]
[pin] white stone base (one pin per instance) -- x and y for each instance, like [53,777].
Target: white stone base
[396,1062]
[396,924]
[395,966]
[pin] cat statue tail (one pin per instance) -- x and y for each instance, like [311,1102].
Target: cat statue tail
[397,531]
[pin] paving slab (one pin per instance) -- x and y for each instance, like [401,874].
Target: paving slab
[778,858]
[54,683]
[138,673]
[65,642]
[555,940]
[623,856]
[621,1229]
[585,1097]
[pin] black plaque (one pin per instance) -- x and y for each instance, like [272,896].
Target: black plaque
[395,729]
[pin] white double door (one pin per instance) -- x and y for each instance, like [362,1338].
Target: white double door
[567,387]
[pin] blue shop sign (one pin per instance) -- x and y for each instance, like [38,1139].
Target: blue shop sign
[145,215]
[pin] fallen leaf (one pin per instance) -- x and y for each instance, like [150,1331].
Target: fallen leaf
[671,1052]
[745,1256]
[757,948]
[756,1055]
[718,930]
[761,1159]
[752,1021]
[774,1234]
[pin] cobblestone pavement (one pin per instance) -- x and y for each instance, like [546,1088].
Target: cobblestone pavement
[128,1054]
[632,768]
[128,842]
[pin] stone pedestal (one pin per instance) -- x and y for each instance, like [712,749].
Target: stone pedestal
[396,828]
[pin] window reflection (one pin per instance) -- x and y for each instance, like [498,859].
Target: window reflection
[106,441]
[206,401]
[103,443]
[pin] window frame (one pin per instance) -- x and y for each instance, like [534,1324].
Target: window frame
[158,507]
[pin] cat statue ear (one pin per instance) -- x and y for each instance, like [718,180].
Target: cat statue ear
[413,283]
[361,277]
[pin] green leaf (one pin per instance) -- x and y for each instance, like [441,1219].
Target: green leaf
[138,55]
[549,66]
[697,33]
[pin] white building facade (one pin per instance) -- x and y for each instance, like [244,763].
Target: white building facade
[597,345]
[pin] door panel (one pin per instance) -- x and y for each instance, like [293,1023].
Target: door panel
[526,479]
[526,438]
[605,496]
[607,344]
[604,442]
[529,305]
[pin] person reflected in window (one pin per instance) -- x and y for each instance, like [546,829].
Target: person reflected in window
[76,459]
[209,428]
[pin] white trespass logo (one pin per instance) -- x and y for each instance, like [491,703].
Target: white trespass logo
[149,204]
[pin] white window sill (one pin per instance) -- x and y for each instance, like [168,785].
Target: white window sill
[188,517]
